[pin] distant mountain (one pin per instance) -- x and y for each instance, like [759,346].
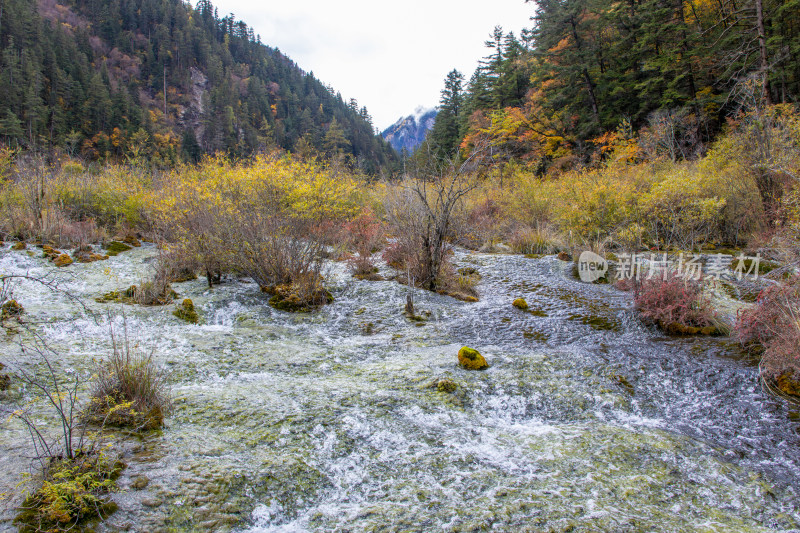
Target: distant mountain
[112,79]
[410,132]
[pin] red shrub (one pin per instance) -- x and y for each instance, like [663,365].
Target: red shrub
[772,327]
[673,300]
[395,255]
[365,235]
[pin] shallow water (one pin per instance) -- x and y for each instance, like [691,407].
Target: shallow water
[585,421]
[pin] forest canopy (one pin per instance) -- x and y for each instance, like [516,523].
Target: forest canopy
[161,80]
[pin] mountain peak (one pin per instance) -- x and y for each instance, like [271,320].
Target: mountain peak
[410,131]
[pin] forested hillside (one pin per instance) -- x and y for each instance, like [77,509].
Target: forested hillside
[159,79]
[669,69]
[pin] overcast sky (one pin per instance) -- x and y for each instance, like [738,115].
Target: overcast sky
[390,56]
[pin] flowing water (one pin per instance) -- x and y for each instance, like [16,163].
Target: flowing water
[332,421]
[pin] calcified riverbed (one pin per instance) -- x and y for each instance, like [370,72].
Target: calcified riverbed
[586,420]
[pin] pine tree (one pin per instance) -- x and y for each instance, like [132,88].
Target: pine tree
[445,133]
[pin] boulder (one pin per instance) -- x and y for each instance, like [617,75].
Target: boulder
[471,359]
[520,303]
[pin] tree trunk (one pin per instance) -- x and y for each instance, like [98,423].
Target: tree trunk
[762,48]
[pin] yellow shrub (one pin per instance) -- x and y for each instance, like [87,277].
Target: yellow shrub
[267,218]
[113,195]
[683,209]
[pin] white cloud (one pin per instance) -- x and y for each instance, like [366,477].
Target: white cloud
[390,56]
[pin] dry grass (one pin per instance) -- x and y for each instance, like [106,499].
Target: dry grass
[129,390]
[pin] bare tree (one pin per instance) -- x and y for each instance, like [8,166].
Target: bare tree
[421,211]
[63,397]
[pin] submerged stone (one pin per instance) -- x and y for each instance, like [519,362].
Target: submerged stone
[140,482]
[471,359]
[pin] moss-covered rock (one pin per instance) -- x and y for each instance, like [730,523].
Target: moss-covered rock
[788,383]
[445,385]
[5,381]
[111,296]
[11,309]
[470,272]
[131,240]
[367,328]
[115,248]
[85,254]
[676,328]
[19,246]
[187,312]
[48,252]
[148,293]
[118,412]
[745,265]
[520,303]
[471,359]
[62,260]
[286,297]
[140,482]
[468,296]
[369,276]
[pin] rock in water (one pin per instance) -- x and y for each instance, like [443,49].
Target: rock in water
[520,303]
[471,359]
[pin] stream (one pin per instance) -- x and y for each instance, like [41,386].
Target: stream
[586,419]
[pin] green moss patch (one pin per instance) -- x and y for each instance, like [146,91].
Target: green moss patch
[73,494]
[116,247]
